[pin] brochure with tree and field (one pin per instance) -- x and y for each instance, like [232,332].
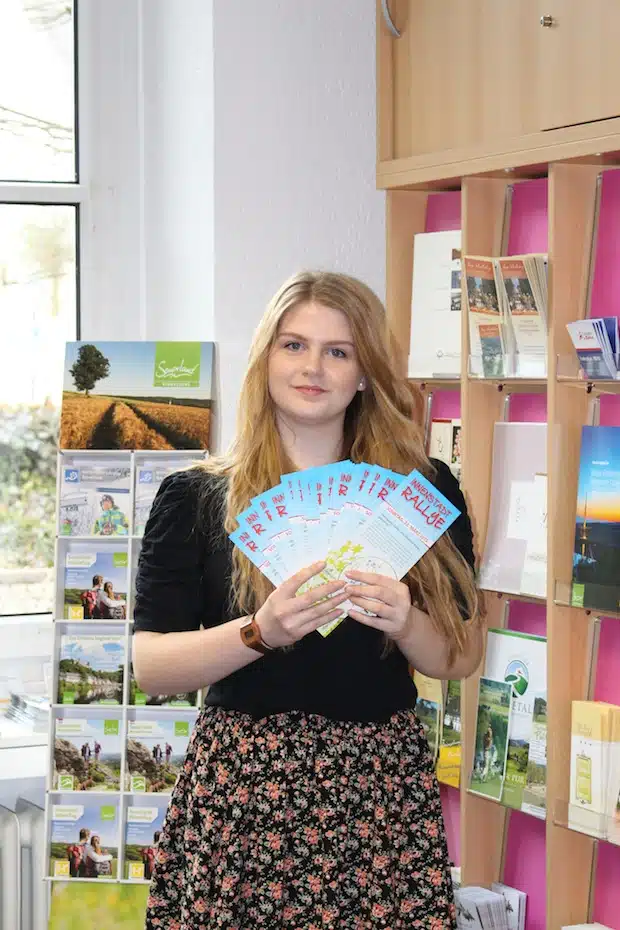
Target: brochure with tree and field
[91,669]
[84,840]
[87,754]
[155,753]
[137,395]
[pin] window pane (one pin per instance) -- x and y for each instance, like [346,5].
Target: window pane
[37,65]
[37,317]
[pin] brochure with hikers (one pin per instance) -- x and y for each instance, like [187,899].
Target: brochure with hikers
[91,669]
[87,754]
[96,581]
[143,825]
[374,520]
[84,839]
[155,753]
[94,496]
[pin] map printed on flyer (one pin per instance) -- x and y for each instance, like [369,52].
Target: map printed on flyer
[374,520]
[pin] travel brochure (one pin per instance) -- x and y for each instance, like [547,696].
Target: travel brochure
[87,754]
[597,344]
[149,476]
[137,395]
[596,557]
[94,497]
[91,669]
[84,839]
[155,753]
[511,732]
[143,828]
[96,581]
[350,515]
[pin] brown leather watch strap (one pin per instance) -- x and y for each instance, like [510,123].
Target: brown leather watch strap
[251,636]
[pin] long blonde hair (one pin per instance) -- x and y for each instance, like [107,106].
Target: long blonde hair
[380,428]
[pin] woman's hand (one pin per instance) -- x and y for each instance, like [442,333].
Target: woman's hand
[284,618]
[388,599]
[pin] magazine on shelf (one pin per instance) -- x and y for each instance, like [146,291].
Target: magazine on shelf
[449,760]
[94,497]
[91,669]
[87,754]
[429,707]
[597,344]
[487,324]
[516,901]
[596,578]
[491,746]
[445,443]
[137,395]
[592,726]
[480,909]
[143,826]
[510,563]
[520,660]
[523,289]
[140,698]
[435,342]
[155,753]
[534,799]
[96,581]
[84,839]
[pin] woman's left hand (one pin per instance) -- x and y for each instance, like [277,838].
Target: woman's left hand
[389,599]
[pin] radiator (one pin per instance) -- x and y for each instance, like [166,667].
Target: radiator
[23,892]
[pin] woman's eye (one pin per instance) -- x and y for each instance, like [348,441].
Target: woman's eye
[342,354]
[289,345]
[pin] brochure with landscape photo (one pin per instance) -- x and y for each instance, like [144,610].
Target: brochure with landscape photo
[493,722]
[449,761]
[84,840]
[535,792]
[596,578]
[155,753]
[91,669]
[96,581]
[142,831]
[87,754]
[94,497]
[520,660]
[137,395]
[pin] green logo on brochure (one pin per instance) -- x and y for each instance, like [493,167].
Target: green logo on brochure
[120,559]
[177,365]
[138,783]
[108,812]
[181,727]
[65,782]
[110,728]
[518,676]
[577,595]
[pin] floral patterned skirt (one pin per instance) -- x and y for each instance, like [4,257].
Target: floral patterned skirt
[303,823]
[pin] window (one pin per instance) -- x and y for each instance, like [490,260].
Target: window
[40,197]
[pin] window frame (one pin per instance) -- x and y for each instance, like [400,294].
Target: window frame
[74,194]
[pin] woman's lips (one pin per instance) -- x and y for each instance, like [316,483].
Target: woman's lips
[310,391]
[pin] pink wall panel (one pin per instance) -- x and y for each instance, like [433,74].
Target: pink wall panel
[606,281]
[528,408]
[446,404]
[443,211]
[525,865]
[451,805]
[528,219]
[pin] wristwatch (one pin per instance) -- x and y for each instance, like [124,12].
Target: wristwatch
[251,636]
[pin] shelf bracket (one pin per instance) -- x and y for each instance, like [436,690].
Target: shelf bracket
[387,16]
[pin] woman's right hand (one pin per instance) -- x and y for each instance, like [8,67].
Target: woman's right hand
[285,618]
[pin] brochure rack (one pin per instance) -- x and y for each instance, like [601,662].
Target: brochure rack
[498,216]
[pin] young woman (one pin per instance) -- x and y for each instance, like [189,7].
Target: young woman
[308,797]
[110,605]
[97,860]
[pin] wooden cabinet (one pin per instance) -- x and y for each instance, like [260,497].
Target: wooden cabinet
[579,61]
[477,78]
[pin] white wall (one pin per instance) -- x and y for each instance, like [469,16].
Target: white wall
[230,143]
[294,160]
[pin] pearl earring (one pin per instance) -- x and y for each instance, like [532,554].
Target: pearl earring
[361,387]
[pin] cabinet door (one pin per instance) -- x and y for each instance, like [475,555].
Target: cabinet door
[579,61]
[462,73]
